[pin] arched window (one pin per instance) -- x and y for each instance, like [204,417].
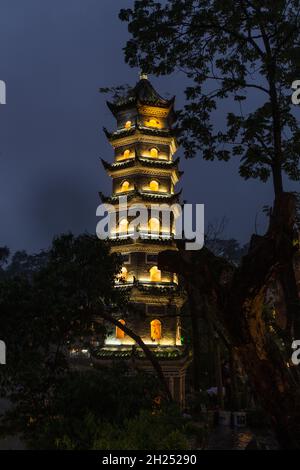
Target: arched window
[154,185]
[155,330]
[123,226]
[154,225]
[125,186]
[127,124]
[120,334]
[155,274]
[126,153]
[154,152]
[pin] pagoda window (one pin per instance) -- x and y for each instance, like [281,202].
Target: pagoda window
[125,186]
[127,124]
[120,334]
[154,225]
[123,226]
[154,185]
[153,152]
[155,327]
[153,123]
[155,274]
[126,153]
[124,274]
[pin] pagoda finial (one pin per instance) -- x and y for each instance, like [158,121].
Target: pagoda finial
[143,76]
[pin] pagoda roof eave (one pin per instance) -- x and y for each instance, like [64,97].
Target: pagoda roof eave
[144,162]
[144,196]
[143,93]
[111,136]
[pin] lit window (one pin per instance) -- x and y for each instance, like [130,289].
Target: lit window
[155,274]
[175,278]
[124,273]
[127,124]
[155,330]
[126,153]
[154,225]
[153,123]
[120,334]
[154,185]
[154,152]
[123,226]
[125,186]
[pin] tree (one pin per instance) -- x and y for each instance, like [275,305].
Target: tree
[23,264]
[228,49]
[4,254]
[44,315]
[84,402]
[234,298]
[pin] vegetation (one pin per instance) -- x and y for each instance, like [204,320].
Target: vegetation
[230,50]
[46,312]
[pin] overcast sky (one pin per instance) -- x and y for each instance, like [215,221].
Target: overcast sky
[55,54]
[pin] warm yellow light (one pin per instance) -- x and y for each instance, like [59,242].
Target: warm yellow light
[126,153]
[153,123]
[124,273]
[127,124]
[155,274]
[120,334]
[154,152]
[154,185]
[123,226]
[154,224]
[125,186]
[155,330]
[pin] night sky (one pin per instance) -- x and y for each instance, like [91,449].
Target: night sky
[54,56]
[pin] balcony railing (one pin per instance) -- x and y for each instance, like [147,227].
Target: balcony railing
[143,234]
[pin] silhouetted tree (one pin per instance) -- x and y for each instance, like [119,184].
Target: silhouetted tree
[228,49]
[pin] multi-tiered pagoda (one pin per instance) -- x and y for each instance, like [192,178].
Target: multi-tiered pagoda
[145,171]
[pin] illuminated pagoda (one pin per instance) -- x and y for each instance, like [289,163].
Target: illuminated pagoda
[144,170]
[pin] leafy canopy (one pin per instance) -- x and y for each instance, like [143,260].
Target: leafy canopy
[241,50]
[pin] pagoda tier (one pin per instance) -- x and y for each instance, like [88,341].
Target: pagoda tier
[135,195]
[137,129]
[143,162]
[142,94]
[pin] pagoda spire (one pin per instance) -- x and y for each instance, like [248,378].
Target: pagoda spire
[143,76]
